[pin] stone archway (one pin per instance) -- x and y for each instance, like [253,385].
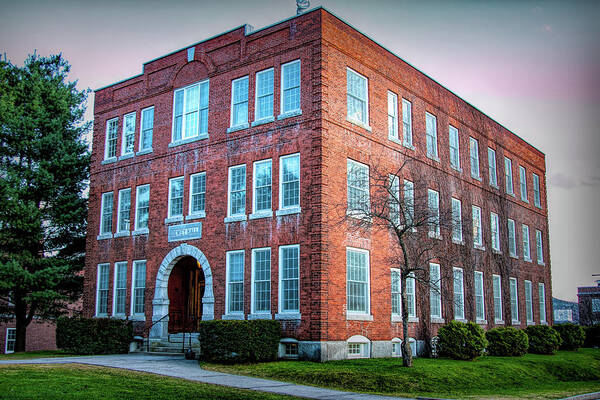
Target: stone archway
[160,303]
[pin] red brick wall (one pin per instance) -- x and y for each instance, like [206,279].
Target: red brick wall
[40,336]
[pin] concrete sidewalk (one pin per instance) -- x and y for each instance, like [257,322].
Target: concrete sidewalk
[178,367]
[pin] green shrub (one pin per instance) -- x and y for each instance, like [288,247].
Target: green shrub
[239,341]
[542,339]
[93,335]
[571,335]
[507,341]
[592,336]
[462,341]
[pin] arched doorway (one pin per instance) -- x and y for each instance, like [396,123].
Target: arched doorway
[185,291]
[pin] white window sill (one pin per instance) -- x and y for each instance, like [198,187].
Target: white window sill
[516,257]
[437,320]
[238,127]
[101,316]
[494,186]
[104,236]
[261,214]
[263,121]
[235,218]
[496,251]
[188,140]
[456,168]
[122,234]
[394,139]
[481,321]
[541,264]
[109,160]
[126,156]
[141,231]
[434,235]
[413,319]
[461,320]
[359,123]
[199,215]
[408,145]
[288,316]
[289,114]
[461,242]
[118,316]
[527,259]
[176,218]
[260,316]
[433,157]
[479,247]
[524,200]
[138,317]
[145,151]
[499,322]
[516,323]
[477,178]
[396,318]
[288,211]
[529,323]
[358,317]
[233,316]
[357,215]
[538,206]
[512,194]
[543,323]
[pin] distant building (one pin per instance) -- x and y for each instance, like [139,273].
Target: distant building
[589,304]
[565,311]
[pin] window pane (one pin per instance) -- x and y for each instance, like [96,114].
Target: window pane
[262,182]
[235,268]
[237,190]
[290,277]
[290,181]
[142,207]
[357,281]
[290,87]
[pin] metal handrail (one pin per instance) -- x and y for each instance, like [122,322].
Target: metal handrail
[147,330]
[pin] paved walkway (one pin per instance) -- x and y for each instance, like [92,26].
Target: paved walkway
[178,367]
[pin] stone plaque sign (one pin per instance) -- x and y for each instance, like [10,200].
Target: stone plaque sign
[185,231]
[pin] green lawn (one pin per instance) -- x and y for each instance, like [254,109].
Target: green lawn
[73,381]
[35,354]
[531,376]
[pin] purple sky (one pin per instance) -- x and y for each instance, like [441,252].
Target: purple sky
[533,66]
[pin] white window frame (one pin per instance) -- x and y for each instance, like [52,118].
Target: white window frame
[228,312]
[146,131]
[474,156]
[542,302]
[104,229]
[105,289]
[492,170]
[458,298]
[409,202]
[526,243]
[411,296]
[365,102]
[396,293]
[117,288]
[514,301]
[454,151]
[136,266]
[523,183]
[358,346]
[291,207]
[128,133]
[479,289]
[191,212]
[497,288]
[457,234]
[435,291]
[263,211]
[508,176]
[477,228]
[394,199]
[172,181]
[358,211]
[13,341]
[257,97]
[138,208]
[392,110]
[431,136]
[407,133]
[495,231]
[537,197]
[433,202]
[119,211]
[108,138]
[351,314]
[229,192]
[233,124]
[295,111]
[528,302]
[539,247]
[203,85]
[256,313]
[512,238]
[282,295]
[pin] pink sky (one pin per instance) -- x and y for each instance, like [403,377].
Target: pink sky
[533,66]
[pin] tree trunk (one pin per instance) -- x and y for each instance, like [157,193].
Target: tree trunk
[406,352]
[21,331]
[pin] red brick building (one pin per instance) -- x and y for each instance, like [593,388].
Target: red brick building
[216,172]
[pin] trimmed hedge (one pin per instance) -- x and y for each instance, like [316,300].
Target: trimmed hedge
[462,341]
[543,339]
[592,336]
[93,335]
[507,341]
[572,336]
[239,341]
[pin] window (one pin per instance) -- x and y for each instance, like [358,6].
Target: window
[198,194]
[358,188]
[523,183]
[262,186]
[124,210]
[392,115]
[495,231]
[595,305]
[147,125]
[290,87]
[138,288]
[190,112]
[407,122]
[290,350]
[11,340]
[537,200]
[176,197]
[542,300]
[357,264]
[431,135]
[497,286]
[396,292]
[239,102]
[454,148]
[106,217]
[289,279]
[357,98]
[358,347]
[394,194]
[433,200]
[261,280]
[456,220]
[508,178]
[538,247]
[264,95]
[235,282]
[102,290]
[514,301]
[492,167]
[110,147]
[120,288]
[512,238]
[474,151]
[128,134]
[411,296]
[142,206]
[459,296]
[237,190]
[435,289]
[409,202]
[528,302]
[289,181]
[479,297]
[477,234]
[526,250]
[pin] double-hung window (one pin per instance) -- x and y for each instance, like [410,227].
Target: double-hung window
[514,301]
[239,102]
[454,148]
[407,122]
[289,279]
[411,296]
[357,281]
[435,294]
[542,301]
[262,187]
[235,282]
[537,200]
[528,303]
[456,220]
[146,128]
[142,206]
[263,109]
[459,295]
[396,293]
[433,199]
[237,191]
[409,202]
[479,297]
[358,189]
[431,135]
[526,249]
[261,281]
[120,288]
[523,183]
[289,182]
[495,231]
[198,194]
[106,215]
[497,286]
[539,251]
[123,215]
[394,199]
[190,112]
[492,167]
[357,98]
[11,340]
[474,152]
[477,233]
[110,147]
[138,288]
[508,177]
[392,99]
[128,139]
[102,290]
[512,239]
[290,88]
[176,197]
